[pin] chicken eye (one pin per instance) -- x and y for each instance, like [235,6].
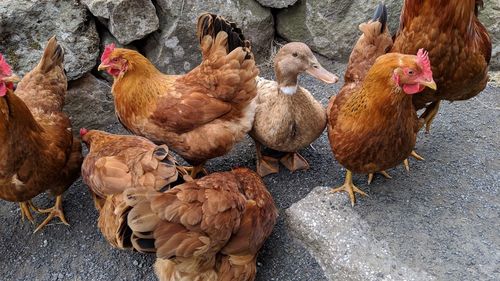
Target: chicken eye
[295,54]
[410,72]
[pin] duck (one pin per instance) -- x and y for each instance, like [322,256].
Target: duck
[287,116]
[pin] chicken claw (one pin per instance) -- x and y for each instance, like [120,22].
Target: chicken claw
[413,154]
[26,208]
[293,161]
[56,211]
[195,170]
[349,187]
[429,114]
[384,173]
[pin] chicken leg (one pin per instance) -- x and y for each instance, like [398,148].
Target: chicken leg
[429,114]
[265,164]
[349,187]
[384,173]
[195,170]
[56,211]
[26,208]
[293,161]
[406,163]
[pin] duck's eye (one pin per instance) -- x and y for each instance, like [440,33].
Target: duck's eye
[295,54]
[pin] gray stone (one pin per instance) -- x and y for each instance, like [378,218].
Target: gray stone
[490,17]
[277,4]
[174,48]
[89,104]
[26,26]
[127,20]
[343,242]
[330,27]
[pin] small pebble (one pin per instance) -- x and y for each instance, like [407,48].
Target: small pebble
[135,262]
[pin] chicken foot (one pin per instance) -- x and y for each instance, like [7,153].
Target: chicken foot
[429,114]
[56,211]
[293,161]
[384,173]
[265,164]
[413,154]
[26,208]
[195,170]
[349,187]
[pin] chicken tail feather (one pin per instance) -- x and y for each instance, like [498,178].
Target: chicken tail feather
[211,24]
[52,56]
[380,15]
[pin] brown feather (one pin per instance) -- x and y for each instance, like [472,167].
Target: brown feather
[458,44]
[209,228]
[371,123]
[114,164]
[39,152]
[199,115]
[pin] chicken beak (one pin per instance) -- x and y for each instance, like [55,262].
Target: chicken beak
[429,84]
[12,79]
[102,67]
[317,71]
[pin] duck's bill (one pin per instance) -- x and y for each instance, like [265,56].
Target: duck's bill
[322,74]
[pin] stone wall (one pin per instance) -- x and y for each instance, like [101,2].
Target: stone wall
[164,30]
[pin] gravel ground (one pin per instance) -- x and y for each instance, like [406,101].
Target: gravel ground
[79,252]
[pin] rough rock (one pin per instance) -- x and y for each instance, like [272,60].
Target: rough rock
[490,17]
[26,26]
[174,48]
[277,4]
[89,103]
[127,20]
[330,27]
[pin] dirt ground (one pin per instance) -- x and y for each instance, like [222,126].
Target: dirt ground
[79,252]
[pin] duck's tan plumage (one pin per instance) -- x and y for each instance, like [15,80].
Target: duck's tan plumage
[286,123]
[287,117]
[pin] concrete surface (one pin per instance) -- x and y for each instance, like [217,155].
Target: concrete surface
[445,212]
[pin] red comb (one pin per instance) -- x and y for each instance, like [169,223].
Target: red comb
[107,51]
[83,132]
[5,69]
[423,61]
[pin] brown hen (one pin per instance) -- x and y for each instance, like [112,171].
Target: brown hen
[115,163]
[199,115]
[458,44]
[207,229]
[372,123]
[38,151]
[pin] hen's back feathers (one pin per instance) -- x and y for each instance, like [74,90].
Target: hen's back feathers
[374,42]
[207,229]
[44,87]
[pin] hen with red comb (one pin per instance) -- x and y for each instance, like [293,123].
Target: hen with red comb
[38,152]
[459,49]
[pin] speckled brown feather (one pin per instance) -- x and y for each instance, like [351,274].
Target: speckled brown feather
[201,114]
[371,123]
[210,229]
[458,44]
[38,151]
[115,163]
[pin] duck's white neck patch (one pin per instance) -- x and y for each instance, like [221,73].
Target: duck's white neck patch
[289,90]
